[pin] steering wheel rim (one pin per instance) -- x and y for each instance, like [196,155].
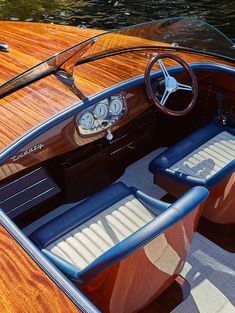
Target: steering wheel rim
[172,81]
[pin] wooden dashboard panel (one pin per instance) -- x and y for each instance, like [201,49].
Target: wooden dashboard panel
[24,286]
[64,137]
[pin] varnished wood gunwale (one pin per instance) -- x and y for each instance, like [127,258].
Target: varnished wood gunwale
[24,286]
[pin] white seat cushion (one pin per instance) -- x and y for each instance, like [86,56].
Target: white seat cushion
[209,158]
[87,242]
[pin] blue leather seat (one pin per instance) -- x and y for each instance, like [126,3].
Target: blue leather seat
[204,158]
[108,227]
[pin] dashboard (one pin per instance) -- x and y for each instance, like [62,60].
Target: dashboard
[101,115]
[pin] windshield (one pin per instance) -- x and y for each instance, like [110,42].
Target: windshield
[176,33]
[184,32]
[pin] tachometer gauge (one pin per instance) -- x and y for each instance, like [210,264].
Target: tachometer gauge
[86,121]
[116,106]
[101,110]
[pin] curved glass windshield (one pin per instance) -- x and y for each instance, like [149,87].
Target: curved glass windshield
[178,32]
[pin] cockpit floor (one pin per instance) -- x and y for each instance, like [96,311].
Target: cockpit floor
[138,175]
[210,270]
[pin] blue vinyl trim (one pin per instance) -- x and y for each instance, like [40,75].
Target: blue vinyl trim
[49,268]
[66,267]
[153,204]
[170,215]
[162,163]
[21,142]
[190,200]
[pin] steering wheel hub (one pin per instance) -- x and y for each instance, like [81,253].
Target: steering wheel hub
[171,84]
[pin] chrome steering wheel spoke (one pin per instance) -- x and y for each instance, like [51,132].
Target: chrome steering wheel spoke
[164,97]
[163,68]
[184,87]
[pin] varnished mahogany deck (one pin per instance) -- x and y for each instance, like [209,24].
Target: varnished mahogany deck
[24,286]
[31,43]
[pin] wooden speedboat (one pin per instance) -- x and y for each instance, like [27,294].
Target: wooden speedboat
[117,156]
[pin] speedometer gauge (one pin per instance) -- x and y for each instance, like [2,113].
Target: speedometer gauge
[116,106]
[101,110]
[86,121]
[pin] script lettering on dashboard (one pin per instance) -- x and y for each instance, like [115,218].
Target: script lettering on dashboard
[26,152]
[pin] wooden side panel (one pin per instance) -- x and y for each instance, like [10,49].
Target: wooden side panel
[220,205]
[24,286]
[133,283]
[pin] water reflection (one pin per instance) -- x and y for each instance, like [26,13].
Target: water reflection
[118,13]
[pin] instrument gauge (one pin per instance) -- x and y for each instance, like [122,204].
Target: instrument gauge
[115,106]
[86,121]
[101,110]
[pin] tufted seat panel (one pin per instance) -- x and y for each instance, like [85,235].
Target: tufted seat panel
[85,243]
[208,159]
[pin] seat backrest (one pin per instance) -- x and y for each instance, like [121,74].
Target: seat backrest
[161,216]
[128,285]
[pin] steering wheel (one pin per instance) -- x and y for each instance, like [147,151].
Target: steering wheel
[171,84]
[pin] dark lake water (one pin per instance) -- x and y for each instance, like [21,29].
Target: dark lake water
[118,13]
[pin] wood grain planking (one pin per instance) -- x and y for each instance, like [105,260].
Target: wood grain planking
[31,43]
[24,286]
[41,100]
[113,70]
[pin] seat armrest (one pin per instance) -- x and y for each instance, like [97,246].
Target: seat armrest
[154,205]
[70,269]
[191,199]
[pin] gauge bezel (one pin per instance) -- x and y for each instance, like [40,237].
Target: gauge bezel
[120,100]
[80,118]
[100,125]
[104,105]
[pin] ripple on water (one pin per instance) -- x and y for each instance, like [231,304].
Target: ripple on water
[118,13]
